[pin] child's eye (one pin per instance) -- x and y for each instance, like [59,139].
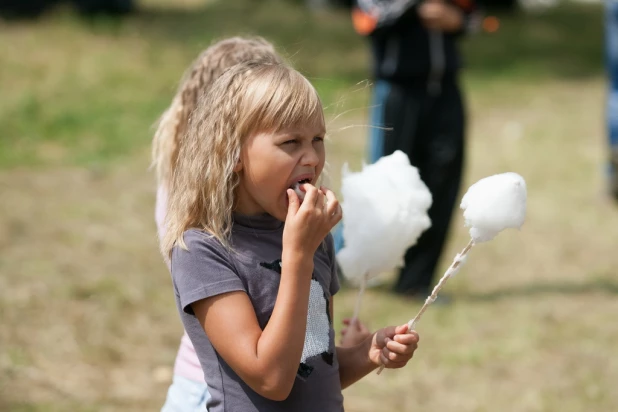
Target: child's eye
[288,142]
[318,139]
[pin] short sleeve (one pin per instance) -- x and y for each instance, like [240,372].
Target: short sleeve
[334,275]
[204,270]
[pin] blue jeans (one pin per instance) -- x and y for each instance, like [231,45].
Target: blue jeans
[186,395]
[611,43]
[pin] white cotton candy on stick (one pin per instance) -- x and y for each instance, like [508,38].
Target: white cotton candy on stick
[493,204]
[384,213]
[490,206]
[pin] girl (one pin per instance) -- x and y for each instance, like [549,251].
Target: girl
[188,391]
[255,294]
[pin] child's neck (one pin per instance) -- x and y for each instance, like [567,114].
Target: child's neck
[245,205]
[248,210]
[262,221]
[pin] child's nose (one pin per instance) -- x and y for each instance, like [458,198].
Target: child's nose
[311,158]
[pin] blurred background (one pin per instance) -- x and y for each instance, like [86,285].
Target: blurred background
[87,316]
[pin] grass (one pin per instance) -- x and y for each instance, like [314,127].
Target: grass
[86,92]
[88,320]
[560,43]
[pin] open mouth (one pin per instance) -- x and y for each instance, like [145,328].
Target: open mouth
[296,187]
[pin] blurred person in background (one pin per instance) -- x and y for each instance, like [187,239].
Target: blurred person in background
[34,8]
[24,8]
[113,7]
[418,108]
[611,42]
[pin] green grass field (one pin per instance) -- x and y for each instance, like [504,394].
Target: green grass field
[88,321]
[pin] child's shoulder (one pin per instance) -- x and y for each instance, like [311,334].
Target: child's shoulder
[202,268]
[199,237]
[201,252]
[200,243]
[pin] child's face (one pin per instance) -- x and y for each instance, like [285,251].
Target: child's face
[271,163]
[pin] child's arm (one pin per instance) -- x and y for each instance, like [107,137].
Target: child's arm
[267,360]
[391,346]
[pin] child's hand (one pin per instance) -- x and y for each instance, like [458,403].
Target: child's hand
[307,224]
[393,346]
[439,15]
[353,333]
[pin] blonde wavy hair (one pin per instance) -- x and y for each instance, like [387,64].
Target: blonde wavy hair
[206,68]
[250,98]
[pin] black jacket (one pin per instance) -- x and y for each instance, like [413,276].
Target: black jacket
[405,51]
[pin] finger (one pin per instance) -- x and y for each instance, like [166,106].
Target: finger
[400,348]
[407,338]
[396,357]
[328,192]
[321,200]
[332,205]
[346,321]
[330,195]
[401,329]
[387,332]
[311,194]
[336,215]
[389,363]
[293,202]
[397,361]
[395,347]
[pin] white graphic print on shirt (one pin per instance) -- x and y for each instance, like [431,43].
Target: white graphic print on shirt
[317,336]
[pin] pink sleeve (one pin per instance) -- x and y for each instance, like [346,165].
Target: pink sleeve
[161,210]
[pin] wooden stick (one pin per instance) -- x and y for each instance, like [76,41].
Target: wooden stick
[452,270]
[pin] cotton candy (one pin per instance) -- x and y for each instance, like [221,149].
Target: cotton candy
[490,205]
[299,193]
[384,213]
[493,204]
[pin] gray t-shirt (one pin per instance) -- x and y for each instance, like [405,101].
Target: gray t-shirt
[254,266]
